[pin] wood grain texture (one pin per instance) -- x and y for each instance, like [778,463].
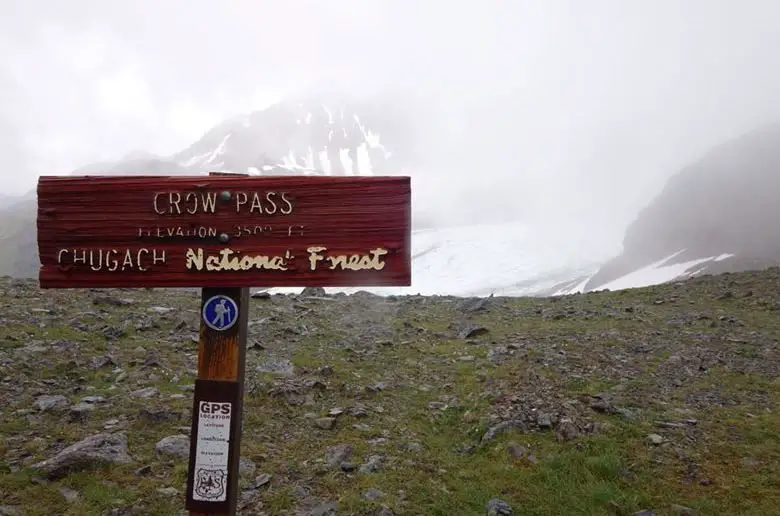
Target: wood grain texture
[346,215]
[222,356]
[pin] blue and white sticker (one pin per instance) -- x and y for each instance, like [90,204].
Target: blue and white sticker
[220,312]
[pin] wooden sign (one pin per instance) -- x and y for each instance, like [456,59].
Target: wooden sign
[223,233]
[226,231]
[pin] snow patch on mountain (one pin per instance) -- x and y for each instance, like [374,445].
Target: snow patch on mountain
[660,271]
[296,138]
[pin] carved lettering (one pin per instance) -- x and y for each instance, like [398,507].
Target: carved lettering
[178,203]
[270,198]
[169,232]
[174,198]
[158,259]
[111,259]
[229,260]
[288,203]
[355,262]
[192,203]
[241,199]
[256,204]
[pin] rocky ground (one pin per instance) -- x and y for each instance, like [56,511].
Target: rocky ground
[661,400]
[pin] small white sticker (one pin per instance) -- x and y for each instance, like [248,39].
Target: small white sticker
[211,454]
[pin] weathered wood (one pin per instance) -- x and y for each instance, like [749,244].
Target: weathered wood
[104,232]
[221,366]
[222,233]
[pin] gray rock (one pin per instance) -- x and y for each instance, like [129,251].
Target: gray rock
[373,494]
[313,292]
[158,415]
[300,492]
[280,366]
[325,509]
[385,511]
[70,495]
[543,420]
[372,465]
[93,399]
[337,454]
[498,354]
[517,451]
[497,507]
[567,430]
[326,423]
[46,403]
[10,510]
[95,451]
[500,428]
[471,331]
[145,393]
[262,480]
[175,446]
[681,509]
[473,304]
[655,439]
[246,467]
[80,411]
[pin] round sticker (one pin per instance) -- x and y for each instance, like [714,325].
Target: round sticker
[220,312]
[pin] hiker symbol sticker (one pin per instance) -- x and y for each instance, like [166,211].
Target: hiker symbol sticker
[220,312]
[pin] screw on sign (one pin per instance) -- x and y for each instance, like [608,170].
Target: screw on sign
[222,233]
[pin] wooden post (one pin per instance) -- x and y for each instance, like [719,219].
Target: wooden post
[212,478]
[221,366]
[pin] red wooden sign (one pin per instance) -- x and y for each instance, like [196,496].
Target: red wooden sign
[223,231]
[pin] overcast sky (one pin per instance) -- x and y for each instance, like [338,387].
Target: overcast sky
[605,97]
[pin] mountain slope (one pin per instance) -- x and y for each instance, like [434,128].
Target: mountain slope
[295,138]
[721,214]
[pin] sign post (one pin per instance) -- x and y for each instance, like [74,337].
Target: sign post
[222,233]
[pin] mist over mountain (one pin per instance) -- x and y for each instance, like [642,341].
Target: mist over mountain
[714,215]
[324,133]
[719,214]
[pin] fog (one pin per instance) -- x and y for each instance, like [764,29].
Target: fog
[545,109]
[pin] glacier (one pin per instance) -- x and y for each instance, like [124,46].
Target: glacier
[504,259]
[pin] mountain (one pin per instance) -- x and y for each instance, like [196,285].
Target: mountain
[720,214]
[306,136]
[716,215]
[18,242]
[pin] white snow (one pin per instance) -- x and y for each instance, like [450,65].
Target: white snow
[371,138]
[330,115]
[347,162]
[657,272]
[308,118]
[364,161]
[195,160]
[218,151]
[323,157]
[574,290]
[515,259]
[485,259]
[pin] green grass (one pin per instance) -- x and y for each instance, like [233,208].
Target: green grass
[725,463]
